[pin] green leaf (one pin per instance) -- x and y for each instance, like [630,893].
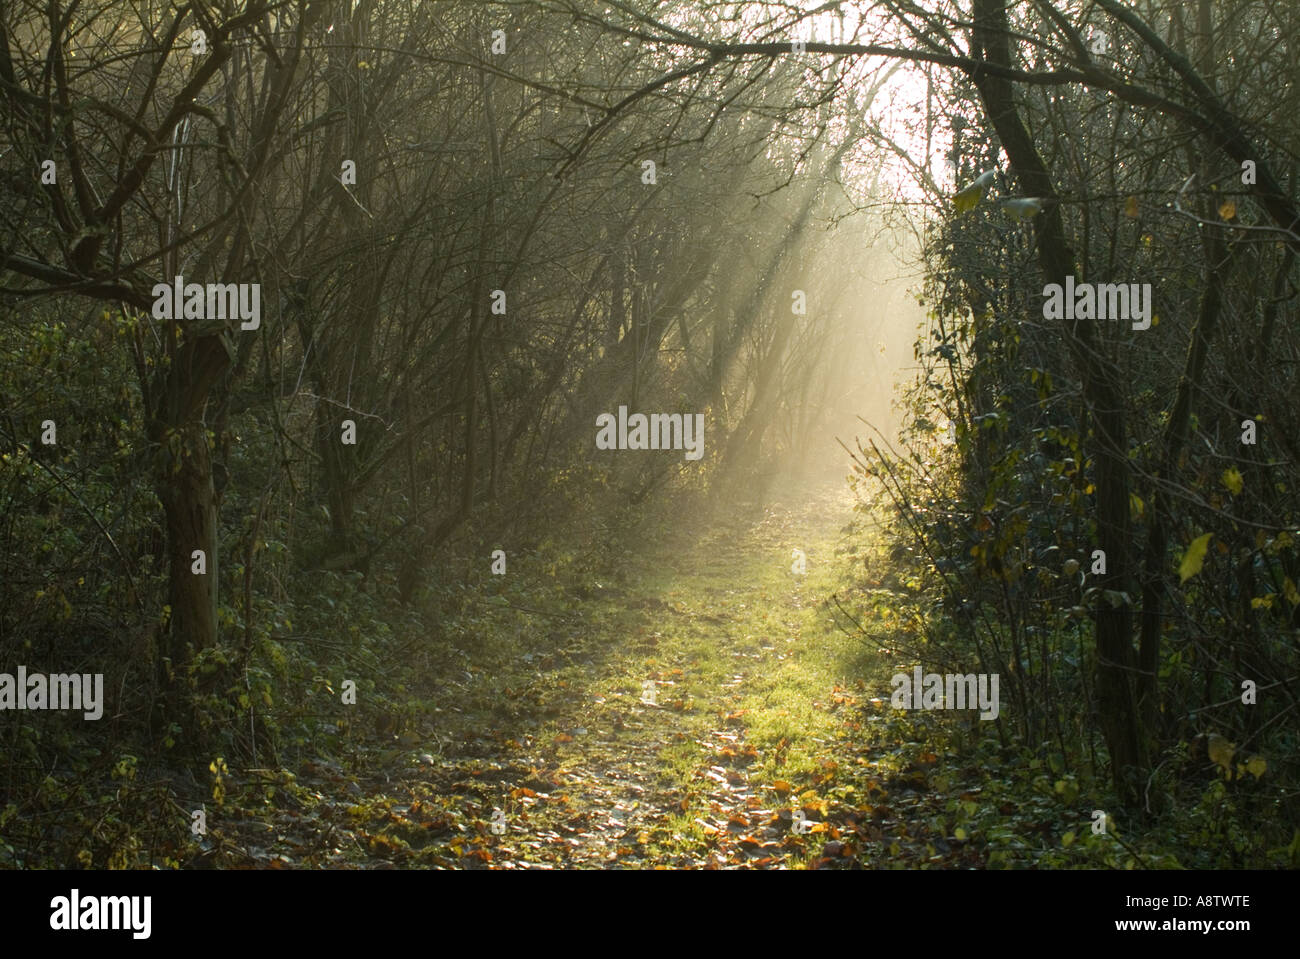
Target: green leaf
[1194,558]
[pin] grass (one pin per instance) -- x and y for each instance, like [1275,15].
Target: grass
[768,745]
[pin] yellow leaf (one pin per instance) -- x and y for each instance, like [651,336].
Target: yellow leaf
[1220,751]
[1194,558]
[959,833]
[1256,766]
[1232,480]
[969,196]
[1130,211]
[1227,209]
[1068,838]
[1289,591]
[1263,602]
[1020,208]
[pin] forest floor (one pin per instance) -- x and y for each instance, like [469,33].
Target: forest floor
[705,707]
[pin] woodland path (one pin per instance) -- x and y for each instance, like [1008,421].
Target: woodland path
[765,712]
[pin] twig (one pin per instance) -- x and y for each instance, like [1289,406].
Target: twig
[1178,208]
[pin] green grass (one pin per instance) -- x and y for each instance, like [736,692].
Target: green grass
[528,700]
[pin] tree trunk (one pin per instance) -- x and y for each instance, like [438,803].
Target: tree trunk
[1176,431]
[189,505]
[1116,702]
[184,485]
